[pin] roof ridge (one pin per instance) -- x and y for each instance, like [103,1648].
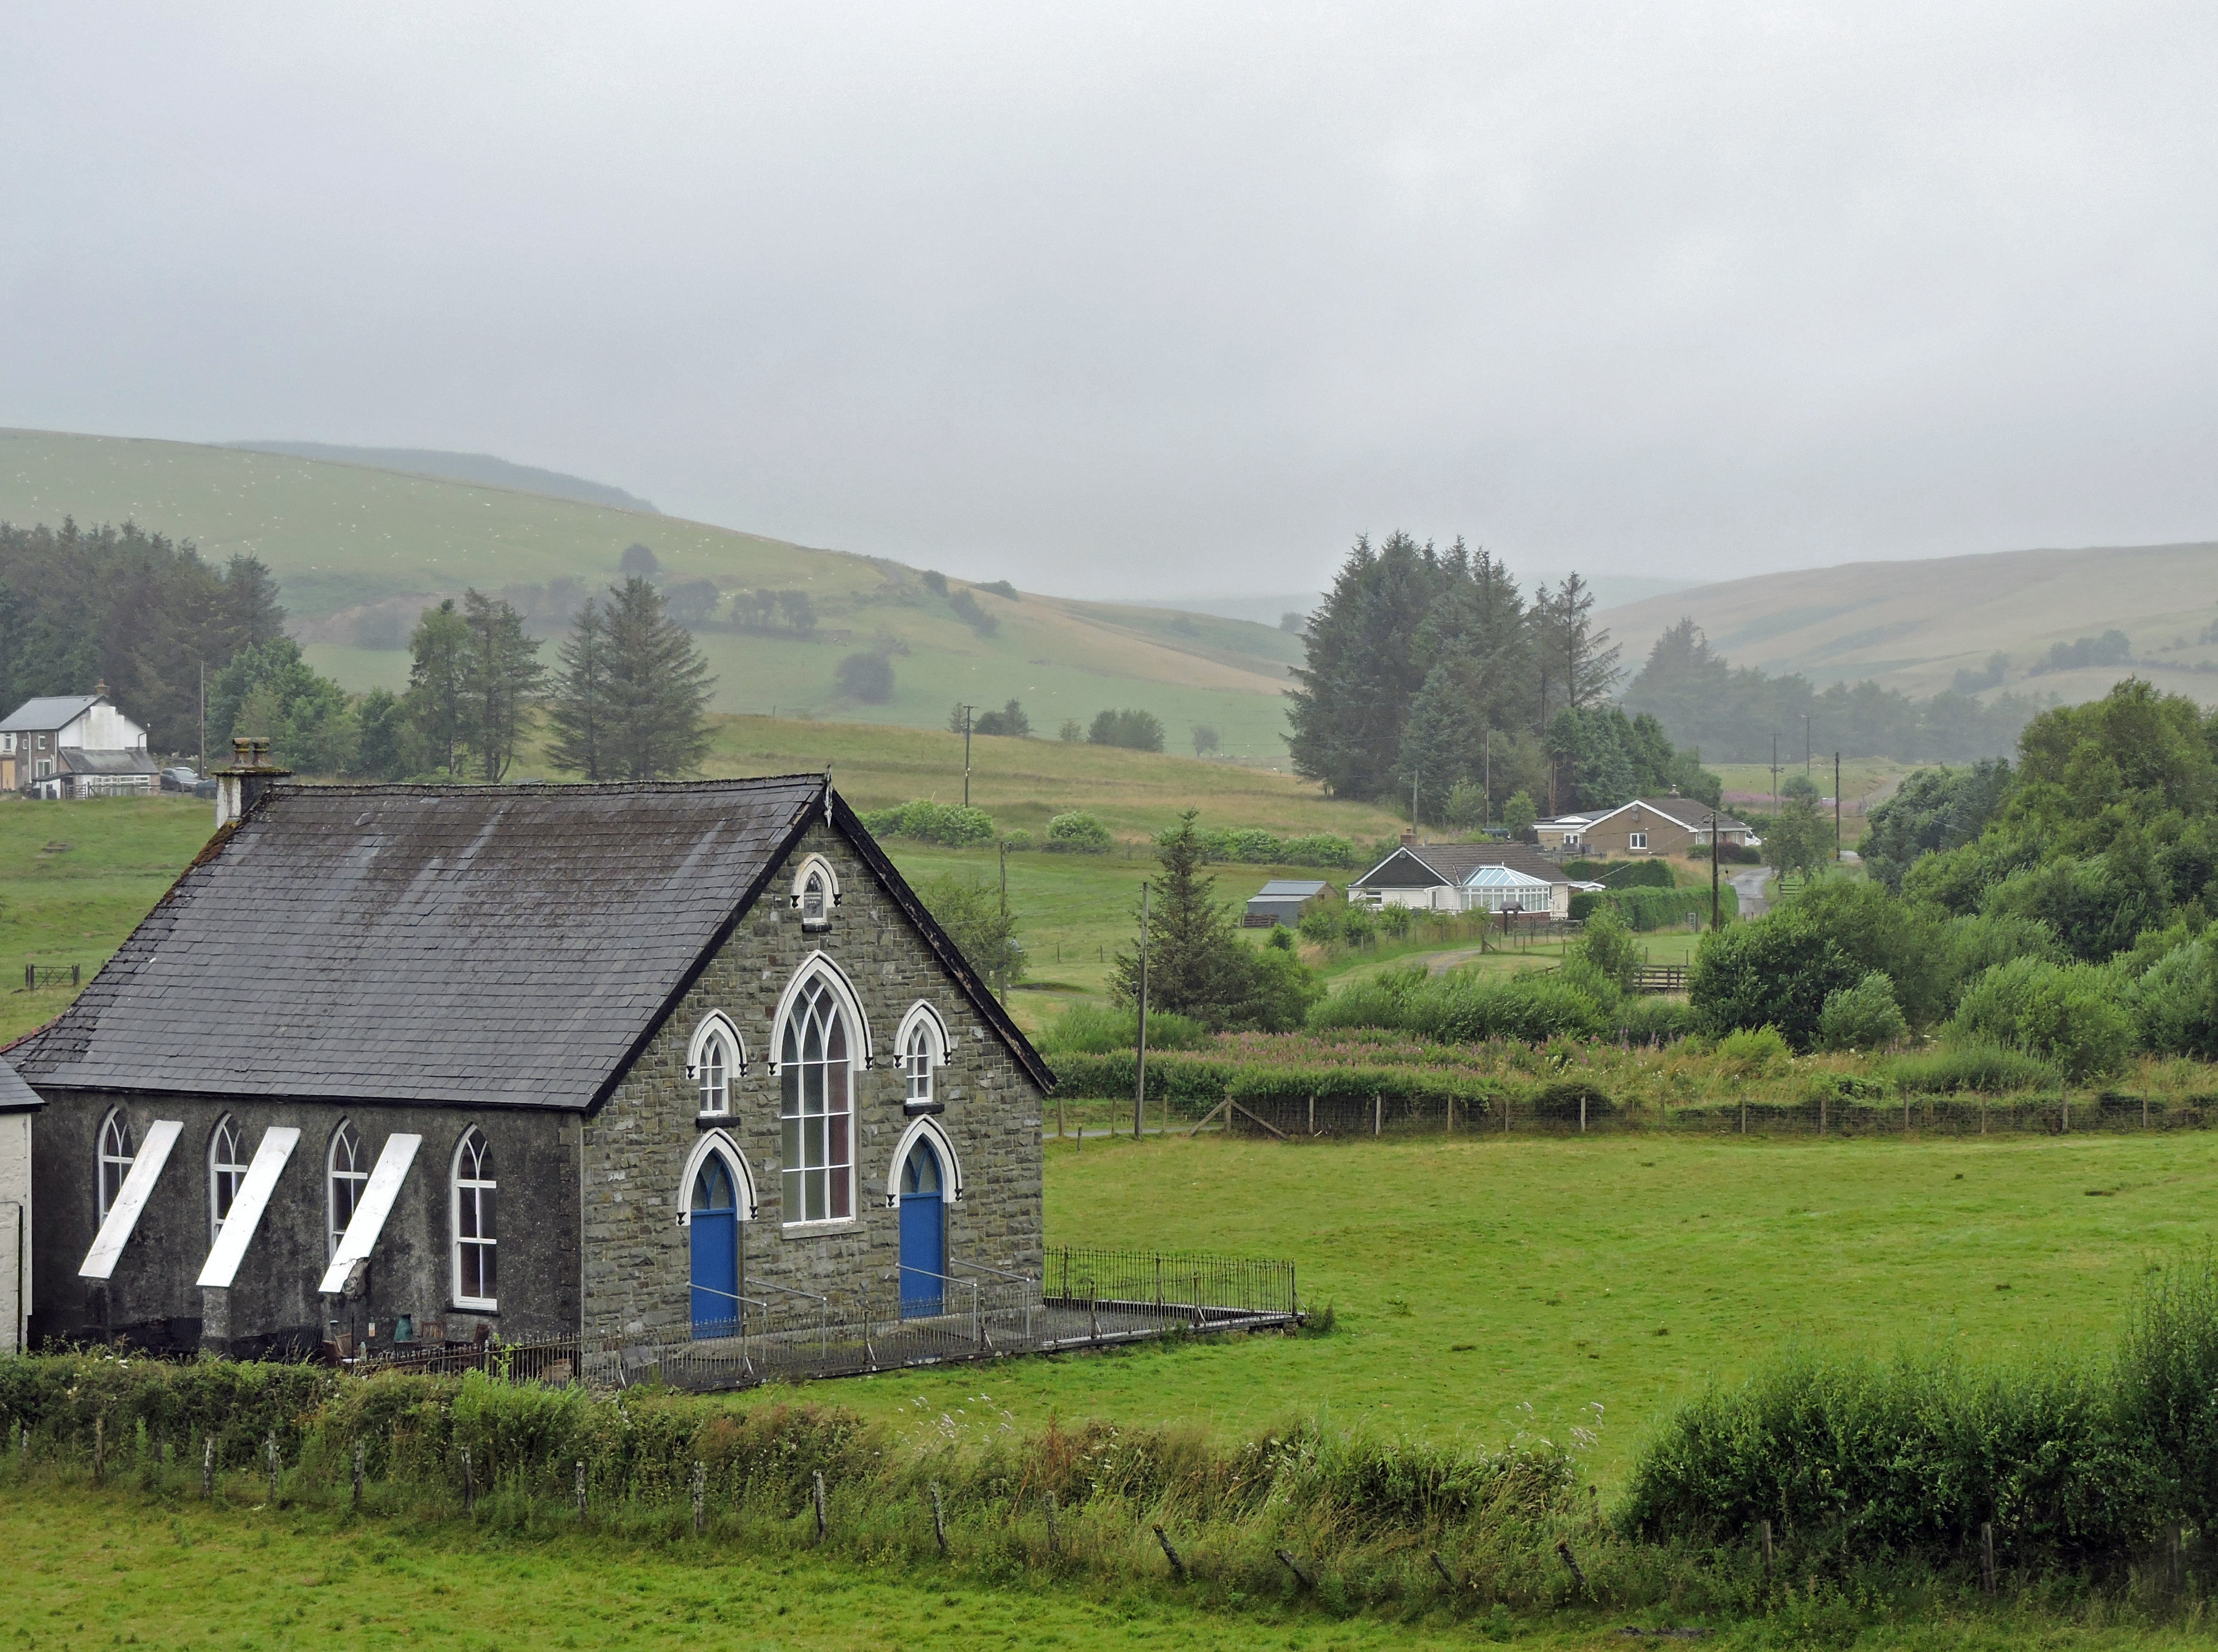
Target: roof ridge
[540,787]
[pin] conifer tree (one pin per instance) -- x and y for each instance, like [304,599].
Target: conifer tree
[578,709]
[436,650]
[659,688]
[500,680]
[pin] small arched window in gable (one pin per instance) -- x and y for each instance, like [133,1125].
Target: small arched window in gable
[922,1046]
[714,1059]
[475,1243]
[116,1153]
[226,1170]
[815,892]
[349,1169]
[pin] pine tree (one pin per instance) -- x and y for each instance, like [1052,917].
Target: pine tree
[1363,669]
[251,613]
[501,678]
[659,688]
[437,648]
[1197,964]
[579,706]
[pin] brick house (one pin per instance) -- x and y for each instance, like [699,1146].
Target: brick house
[432,1064]
[1654,825]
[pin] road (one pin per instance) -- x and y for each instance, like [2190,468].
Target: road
[1748,886]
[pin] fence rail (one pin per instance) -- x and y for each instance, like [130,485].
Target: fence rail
[1087,1298]
[36,975]
[1660,978]
[1575,1111]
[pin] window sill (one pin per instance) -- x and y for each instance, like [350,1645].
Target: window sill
[919,1108]
[711,1121]
[815,1229]
[466,1305]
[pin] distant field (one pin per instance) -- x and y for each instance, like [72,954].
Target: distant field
[341,536]
[1913,625]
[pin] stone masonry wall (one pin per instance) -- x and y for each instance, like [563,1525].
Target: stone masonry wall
[637,1144]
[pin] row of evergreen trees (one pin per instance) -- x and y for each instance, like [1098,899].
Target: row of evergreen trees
[1432,678]
[625,700]
[139,612]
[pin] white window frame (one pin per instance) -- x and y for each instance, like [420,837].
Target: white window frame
[489,1242]
[1636,840]
[927,1127]
[796,1122]
[358,1175]
[118,1152]
[922,1046]
[718,1144]
[225,1175]
[815,868]
[716,1042]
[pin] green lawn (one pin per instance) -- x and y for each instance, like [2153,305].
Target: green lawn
[1485,1286]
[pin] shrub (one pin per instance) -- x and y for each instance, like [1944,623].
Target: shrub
[1018,841]
[2175,1005]
[1099,1029]
[1971,1068]
[867,678]
[1077,832]
[1775,972]
[1862,1017]
[1655,1019]
[1608,946]
[953,825]
[1136,730]
[1464,1006]
[1318,849]
[968,609]
[2069,1014]
[1622,874]
[1754,1051]
[1645,909]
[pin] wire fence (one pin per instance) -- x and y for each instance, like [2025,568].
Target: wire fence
[1087,1298]
[1579,1111]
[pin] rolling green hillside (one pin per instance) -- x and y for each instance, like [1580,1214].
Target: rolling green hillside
[344,539]
[1912,625]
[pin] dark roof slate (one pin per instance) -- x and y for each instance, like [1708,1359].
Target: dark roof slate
[15,1096]
[497,945]
[1454,861]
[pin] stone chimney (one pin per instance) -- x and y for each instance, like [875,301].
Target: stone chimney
[240,786]
[1410,839]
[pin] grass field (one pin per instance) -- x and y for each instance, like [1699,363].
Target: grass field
[1484,1286]
[340,537]
[121,1568]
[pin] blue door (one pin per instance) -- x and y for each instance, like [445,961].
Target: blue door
[923,1234]
[715,1221]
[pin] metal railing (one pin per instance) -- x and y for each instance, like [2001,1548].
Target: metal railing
[1087,1298]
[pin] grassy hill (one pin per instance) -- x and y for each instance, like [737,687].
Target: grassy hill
[346,538]
[1913,625]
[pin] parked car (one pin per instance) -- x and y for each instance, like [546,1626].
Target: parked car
[183,778]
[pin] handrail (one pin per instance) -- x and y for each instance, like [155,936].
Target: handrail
[765,1284]
[964,1262]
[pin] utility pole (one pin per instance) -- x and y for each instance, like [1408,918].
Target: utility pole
[1140,1083]
[1486,817]
[1805,745]
[1836,807]
[1005,877]
[1413,800]
[967,710]
[203,757]
[1775,777]
[1717,920]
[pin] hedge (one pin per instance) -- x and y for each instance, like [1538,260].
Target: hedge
[1648,909]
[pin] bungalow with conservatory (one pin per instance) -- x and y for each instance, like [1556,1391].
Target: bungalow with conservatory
[1466,877]
[400,1065]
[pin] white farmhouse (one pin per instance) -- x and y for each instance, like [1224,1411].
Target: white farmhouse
[75,746]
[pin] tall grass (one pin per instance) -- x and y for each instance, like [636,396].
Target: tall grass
[2075,1464]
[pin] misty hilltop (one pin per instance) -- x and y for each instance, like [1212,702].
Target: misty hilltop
[483,468]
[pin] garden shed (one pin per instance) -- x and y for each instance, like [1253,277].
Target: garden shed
[1283,900]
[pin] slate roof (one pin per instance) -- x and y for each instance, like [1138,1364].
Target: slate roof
[479,945]
[1290,888]
[77,760]
[50,711]
[1688,811]
[15,1096]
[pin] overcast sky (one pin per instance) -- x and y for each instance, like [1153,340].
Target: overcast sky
[1161,300]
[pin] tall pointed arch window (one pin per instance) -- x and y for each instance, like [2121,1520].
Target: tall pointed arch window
[226,1170]
[475,1284]
[816,1108]
[348,1170]
[116,1153]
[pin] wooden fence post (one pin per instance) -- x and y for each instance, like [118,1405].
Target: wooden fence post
[269,1452]
[1170,1553]
[99,1450]
[1300,1576]
[580,1484]
[939,1520]
[1987,1556]
[470,1486]
[360,1451]
[1054,1536]
[820,1506]
[208,1468]
[700,1498]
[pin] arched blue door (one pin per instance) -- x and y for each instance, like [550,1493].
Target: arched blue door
[923,1234]
[715,1221]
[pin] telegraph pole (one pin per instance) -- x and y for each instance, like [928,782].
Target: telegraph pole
[967,710]
[1486,818]
[1717,922]
[1805,745]
[1775,777]
[1836,807]
[1140,1083]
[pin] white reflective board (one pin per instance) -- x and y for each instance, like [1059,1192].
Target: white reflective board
[377,1196]
[130,1199]
[246,1207]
